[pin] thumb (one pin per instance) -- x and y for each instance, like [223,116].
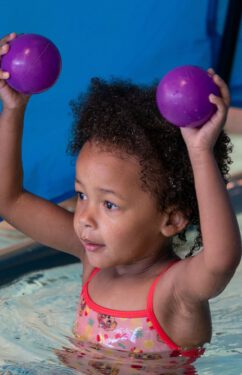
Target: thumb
[10,98]
[187,131]
[4,89]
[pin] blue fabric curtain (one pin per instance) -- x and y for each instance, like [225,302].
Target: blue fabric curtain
[138,40]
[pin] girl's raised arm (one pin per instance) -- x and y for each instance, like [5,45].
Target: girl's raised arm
[206,275]
[36,217]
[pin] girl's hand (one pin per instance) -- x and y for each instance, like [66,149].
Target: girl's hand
[11,99]
[204,138]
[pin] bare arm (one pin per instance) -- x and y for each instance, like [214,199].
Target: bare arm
[234,121]
[207,274]
[36,217]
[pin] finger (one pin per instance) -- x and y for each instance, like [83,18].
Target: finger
[211,72]
[187,131]
[218,101]
[224,90]
[2,84]
[221,112]
[4,49]
[4,75]
[7,38]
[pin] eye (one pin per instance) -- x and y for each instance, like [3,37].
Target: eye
[110,206]
[81,195]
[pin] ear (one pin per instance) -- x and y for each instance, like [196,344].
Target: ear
[173,222]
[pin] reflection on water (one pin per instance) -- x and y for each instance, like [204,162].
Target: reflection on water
[92,358]
[38,311]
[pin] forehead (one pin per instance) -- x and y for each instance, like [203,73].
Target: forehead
[98,160]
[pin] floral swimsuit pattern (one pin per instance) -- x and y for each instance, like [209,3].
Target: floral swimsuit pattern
[134,331]
[114,342]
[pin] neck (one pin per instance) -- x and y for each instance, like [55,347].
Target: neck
[146,266]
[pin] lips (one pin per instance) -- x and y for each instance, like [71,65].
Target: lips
[91,246]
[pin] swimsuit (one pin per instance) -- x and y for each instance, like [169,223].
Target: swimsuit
[114,342]
[134,331]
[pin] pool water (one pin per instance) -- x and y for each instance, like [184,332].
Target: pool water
[38,311]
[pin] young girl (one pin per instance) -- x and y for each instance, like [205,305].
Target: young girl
[141,183]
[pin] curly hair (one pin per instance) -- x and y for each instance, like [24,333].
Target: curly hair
[124,117]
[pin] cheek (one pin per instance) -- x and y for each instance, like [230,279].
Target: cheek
[75,223]
[123,231]
[114,230]
[138,231]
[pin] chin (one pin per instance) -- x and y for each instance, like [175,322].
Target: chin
[100,262]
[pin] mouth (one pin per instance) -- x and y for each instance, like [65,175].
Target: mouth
[91,246]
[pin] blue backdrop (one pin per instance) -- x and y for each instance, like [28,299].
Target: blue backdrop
[140,40]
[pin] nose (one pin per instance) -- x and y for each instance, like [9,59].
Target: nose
[86,216]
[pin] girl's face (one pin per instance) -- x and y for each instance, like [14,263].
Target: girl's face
[117,222]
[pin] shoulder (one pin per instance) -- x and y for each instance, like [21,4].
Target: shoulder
[172,294]
[178,314]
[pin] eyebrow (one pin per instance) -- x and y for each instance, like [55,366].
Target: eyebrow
[109,191]
[103,190]
[78,181]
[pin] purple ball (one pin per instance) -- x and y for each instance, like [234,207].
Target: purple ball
[182,96]
[34,63]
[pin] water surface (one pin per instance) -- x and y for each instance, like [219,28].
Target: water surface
[38,311]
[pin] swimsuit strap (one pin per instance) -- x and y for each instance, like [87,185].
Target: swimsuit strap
[92,274]
[153,285]
[150,310]
[152,288]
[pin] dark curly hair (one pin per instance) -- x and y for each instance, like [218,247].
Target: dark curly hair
[123,116]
